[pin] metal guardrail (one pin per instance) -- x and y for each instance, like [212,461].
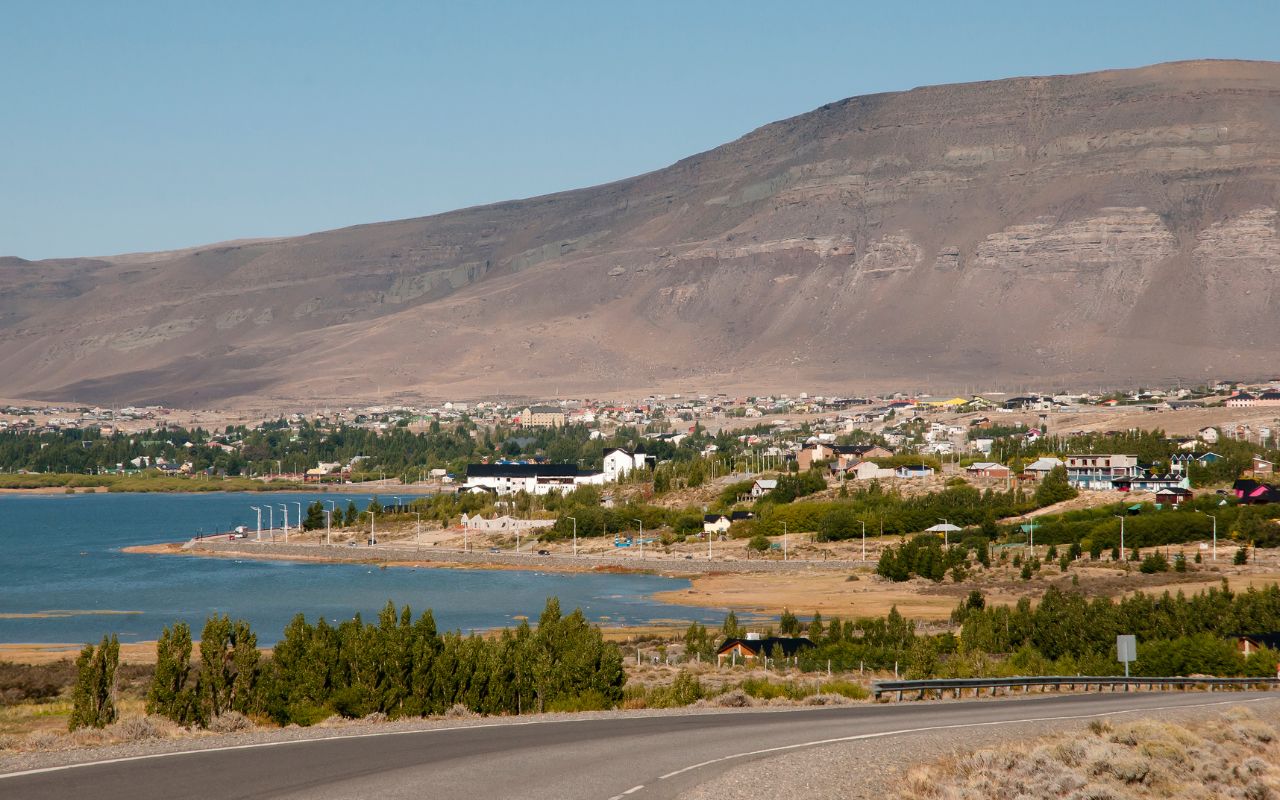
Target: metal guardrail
[958,686]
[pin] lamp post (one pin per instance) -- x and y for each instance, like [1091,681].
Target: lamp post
[271,522]
[285,507]
[417,537]
[328,520]
[864,538]
[372,539]
[784,541]
[1215,534]
[946,539]
[575,533]
[259,510]
[640,522]
[1121,518]
[299,505]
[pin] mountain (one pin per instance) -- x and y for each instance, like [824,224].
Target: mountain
[1110,228]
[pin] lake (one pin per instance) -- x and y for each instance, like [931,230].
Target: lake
[63,577]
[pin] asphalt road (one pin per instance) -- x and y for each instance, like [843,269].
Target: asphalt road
[636,758]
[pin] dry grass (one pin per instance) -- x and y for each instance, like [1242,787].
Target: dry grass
[1234,755]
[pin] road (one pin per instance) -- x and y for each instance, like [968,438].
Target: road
[609,758]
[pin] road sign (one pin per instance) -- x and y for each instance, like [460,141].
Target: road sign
[1126,650]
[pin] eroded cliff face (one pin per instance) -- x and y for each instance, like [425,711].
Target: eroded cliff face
[1094,229]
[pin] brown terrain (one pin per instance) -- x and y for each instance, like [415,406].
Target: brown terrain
[1079,231]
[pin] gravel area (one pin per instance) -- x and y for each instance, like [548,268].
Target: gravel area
[871,769]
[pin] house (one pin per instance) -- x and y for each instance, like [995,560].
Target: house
[1173,496]
[1241,400]
[868,470]
[619,463]
[1249,643]
[535,479]
[715,523]
[913,471]
[1041,467]
[1250,492]
[1098,471]
[763,486]
[504,524]
[755,646]
[1261,466]
[1146,482]
[741,516]
[987,469]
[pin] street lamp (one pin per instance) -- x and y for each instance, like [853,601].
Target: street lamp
[1121,518]
[1215,533]
[864,538]
[372,539]
[641,537]
[946,540]
[285,508]
[259,510]
[575,534]
[417,537]
[271,522]
[784,541]
[328,520]
[299,505]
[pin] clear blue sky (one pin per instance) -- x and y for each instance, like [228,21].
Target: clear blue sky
[134,126]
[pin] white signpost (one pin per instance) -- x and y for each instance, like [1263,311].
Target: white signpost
[1126,650]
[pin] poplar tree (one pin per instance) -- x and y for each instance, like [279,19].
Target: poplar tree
[93,699]
[168,695]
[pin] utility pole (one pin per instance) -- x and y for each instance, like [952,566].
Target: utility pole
[575,534]
[1215,534]
[1121,518]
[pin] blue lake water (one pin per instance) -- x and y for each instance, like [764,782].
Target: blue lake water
[62,554]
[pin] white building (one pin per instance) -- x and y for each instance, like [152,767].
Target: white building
[618,463]
[535,479]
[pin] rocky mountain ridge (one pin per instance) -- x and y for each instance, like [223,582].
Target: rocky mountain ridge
[1112,228]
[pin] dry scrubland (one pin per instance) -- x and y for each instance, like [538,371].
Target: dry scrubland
[1234,756]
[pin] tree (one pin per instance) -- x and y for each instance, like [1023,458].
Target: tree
[1054,488]
[168,695]
[1242,556]
[93,698]
[788,624]
[759,543]
[315,517]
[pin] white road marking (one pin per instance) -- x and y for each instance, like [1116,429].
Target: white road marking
[632,790]
[883,734]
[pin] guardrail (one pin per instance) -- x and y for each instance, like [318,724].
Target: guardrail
[958,686]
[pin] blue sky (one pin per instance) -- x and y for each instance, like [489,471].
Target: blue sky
[133,126]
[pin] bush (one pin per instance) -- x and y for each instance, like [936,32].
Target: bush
[1242,556]
[759,543]
[1156,562]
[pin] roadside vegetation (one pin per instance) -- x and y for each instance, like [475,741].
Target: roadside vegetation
[1232,755]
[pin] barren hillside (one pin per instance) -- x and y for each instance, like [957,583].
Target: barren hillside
[1086,230]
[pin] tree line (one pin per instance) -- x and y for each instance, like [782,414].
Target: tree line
[398,666]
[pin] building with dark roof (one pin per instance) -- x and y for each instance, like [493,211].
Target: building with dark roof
[531,478]
[755,646]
